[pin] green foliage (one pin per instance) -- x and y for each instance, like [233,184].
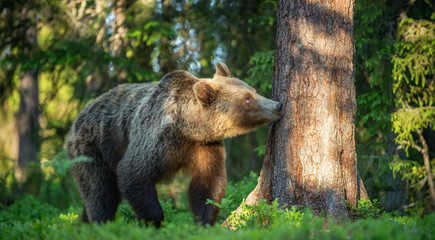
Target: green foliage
[394,73]
[260,74]
[28,209]
[50,181]
[263,215]
[60,163]
[235,193]
[261,150]
[373,40]
[30,218]
[374,45]
[414,60]
[365,209]
[376,114]
[414,88]
[407,121]
[127,213]
[414,68]
[405,168]
[152,32]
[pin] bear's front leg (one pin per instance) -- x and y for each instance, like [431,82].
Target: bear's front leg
[207,168]
[140,191]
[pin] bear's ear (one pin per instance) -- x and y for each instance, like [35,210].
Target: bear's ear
[204,92]
[222,70]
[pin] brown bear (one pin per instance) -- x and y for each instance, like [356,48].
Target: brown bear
[139,134]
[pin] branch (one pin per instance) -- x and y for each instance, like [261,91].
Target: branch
[415,146]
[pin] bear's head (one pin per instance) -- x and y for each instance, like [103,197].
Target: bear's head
[227,106]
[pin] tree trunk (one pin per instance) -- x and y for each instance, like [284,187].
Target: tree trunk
[310,158]
[424,150]
[118,41]
[28,112]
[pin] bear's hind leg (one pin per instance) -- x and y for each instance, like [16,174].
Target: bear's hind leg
[99,190]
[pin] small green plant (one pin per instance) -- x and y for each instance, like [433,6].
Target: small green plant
[263,215]
[235,193]
[224,205]
[69,217]
[365,209]
[261,150]
[126,212]
[60,163]
[58,187]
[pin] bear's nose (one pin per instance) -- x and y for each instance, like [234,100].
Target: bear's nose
[278,106]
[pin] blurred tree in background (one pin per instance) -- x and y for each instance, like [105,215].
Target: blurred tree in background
[413,85]
[386,65]
[55,56]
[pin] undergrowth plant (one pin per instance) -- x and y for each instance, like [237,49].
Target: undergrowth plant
[263,215]
[365,209]
[32,218]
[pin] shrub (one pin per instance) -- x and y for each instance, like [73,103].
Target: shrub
[365,209]
[263,215]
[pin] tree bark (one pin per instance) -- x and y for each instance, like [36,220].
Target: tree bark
[311,158]
[27,118]
[119,28]
[424,150]
[118,41]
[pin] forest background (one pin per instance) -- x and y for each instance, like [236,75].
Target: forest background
[56,56]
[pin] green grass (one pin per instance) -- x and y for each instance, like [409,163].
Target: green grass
[43,217]
[30,218]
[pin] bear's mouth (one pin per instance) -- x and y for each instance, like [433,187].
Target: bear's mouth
[276,115]
[269,116]
[272,115]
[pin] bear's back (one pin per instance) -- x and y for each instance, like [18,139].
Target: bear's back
[103,125]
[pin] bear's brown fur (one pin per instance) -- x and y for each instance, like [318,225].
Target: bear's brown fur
[139,134]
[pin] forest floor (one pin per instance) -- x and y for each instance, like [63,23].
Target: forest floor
[33,218]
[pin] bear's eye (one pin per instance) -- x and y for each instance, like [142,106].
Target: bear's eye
[248,100]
